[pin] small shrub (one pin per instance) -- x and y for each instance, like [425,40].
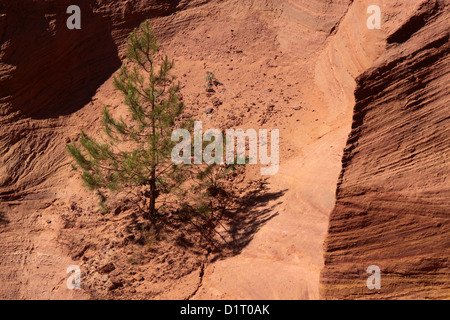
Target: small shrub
[210,81]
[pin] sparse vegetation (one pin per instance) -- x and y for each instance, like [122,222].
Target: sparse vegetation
[211,81]
[134,154]
[138,149]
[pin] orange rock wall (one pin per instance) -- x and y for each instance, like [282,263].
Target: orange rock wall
[393,204]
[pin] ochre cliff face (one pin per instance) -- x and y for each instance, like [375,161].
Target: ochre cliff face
[48,70]
[393,203]
[47,73]
[313,61]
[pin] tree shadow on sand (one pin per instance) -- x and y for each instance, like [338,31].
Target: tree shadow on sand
[237,224]
[253,210]
[223,234]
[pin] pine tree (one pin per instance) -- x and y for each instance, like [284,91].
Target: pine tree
[137,151]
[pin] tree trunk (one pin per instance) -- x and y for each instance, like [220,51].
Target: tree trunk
[153,194]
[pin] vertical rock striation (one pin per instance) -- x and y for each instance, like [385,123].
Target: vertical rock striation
[393,205]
